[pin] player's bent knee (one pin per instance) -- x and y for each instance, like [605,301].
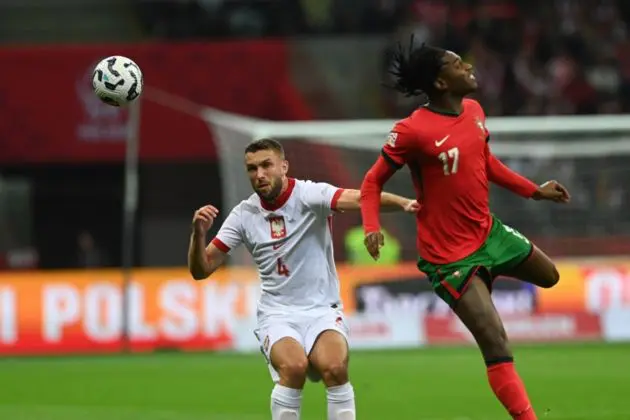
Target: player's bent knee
[335,374]
[553,278]
[549,279]
[293,372]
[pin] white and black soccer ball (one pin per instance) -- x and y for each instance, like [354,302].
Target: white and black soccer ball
[117,80]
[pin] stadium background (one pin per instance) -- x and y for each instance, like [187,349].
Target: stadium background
[62,188]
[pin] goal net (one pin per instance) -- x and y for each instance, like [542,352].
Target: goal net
[587,154]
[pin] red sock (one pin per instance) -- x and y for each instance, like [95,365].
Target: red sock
[510,390]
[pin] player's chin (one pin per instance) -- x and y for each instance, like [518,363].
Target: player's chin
[471,83]
[267,193]
[264,192]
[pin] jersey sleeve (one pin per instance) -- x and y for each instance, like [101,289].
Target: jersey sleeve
[507,178]
[399,148]
[230,234]
[321,196]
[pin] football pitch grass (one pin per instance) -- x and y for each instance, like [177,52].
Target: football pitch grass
[577,381]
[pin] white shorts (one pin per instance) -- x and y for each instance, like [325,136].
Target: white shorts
[304,328]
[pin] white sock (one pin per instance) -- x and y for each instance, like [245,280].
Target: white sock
[285,403]
[341,402]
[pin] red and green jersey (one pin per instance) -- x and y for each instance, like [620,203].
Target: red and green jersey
[451,166]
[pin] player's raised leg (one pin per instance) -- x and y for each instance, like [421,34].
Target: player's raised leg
[477,311]
[537,269]
[329,357]
[289,364]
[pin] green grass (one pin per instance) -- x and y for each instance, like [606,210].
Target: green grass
[572,382]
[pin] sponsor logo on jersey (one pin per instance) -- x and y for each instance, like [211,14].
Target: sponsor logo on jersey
[438,143]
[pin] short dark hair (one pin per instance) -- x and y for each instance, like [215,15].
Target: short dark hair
[265,144]
[416,70]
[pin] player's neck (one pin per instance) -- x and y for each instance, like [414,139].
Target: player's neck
[283,190]
[447,105]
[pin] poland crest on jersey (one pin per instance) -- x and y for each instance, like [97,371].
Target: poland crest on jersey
[278,228]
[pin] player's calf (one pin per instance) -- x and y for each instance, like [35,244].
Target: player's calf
[285,403]
[477,312]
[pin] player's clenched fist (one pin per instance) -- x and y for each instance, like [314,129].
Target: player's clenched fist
[204,217]
[373,242]
[412,206]
[552,191]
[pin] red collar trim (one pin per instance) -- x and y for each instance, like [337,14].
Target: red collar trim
[282,198]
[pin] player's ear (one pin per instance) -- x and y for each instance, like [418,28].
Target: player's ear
[285,166]
[440,84]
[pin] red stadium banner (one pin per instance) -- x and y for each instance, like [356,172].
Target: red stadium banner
[76,126]
[524,328]
[68,312]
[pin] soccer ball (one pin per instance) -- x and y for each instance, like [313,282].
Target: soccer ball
[117,81]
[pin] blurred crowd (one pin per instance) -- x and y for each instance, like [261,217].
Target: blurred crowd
[264,18]
[531,56]
[534,57]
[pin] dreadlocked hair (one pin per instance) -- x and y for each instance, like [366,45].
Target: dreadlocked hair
[415,70]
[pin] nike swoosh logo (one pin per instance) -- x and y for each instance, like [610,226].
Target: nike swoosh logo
[441,142]
[276,246]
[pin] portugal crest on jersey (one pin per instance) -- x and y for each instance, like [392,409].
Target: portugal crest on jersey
[391,139]
[278,228]
[481,126]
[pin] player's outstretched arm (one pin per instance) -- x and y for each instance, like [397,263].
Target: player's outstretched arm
[202,260]
[351,200]
[518,184]
[508,179]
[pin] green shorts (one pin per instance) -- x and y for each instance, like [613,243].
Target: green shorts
[504,249]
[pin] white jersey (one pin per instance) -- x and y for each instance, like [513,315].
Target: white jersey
[291,243]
